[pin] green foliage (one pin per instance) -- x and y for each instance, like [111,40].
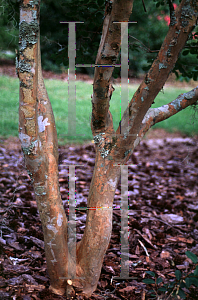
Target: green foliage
[186,65]
[9,26]
[192,256]
[145,37]
[54,35]
[175,288]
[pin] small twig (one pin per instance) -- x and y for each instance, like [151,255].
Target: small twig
[171,7]
[144,248]
[168,224]
[144,6]
[145,47]
[147,240]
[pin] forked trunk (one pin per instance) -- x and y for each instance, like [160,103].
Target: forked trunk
[70,266]
[38,137]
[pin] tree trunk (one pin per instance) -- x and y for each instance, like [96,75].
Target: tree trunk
[38,136]
[37,133]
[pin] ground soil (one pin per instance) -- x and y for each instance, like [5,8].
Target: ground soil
[163,217]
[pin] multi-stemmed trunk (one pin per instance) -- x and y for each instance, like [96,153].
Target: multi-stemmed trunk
[38,137]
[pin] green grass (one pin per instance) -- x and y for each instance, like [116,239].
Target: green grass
[58,93]
[185,121]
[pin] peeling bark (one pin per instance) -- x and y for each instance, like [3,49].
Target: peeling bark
[185,19]
[156,115]
[38,137]
[107,55]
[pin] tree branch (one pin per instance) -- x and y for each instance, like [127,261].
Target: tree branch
[107,55]
[172,12]
[156,115]
[185,20]
[144,47]
[144,6]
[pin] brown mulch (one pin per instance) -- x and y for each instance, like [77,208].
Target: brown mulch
[163,218]
[163,214]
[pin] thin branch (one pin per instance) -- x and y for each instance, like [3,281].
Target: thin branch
[146,48]
[144,6]
[171,7]
[156,115]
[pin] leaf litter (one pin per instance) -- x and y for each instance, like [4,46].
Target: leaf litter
[163,218]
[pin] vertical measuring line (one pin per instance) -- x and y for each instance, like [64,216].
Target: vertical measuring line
[72,83]
[124,223]
[124,72]
[124,76]
[124,243]
[72,224]
[72,132]
[72,78]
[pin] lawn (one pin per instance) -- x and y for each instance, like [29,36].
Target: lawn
[185,121]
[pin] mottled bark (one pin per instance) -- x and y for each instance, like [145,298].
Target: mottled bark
[38,137]
[182,23]
[118,11]
[156,115]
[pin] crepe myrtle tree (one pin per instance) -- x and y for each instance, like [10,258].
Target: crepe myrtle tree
[37,133]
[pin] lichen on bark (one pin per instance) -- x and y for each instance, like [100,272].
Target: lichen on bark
[28,33]
[24,66]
